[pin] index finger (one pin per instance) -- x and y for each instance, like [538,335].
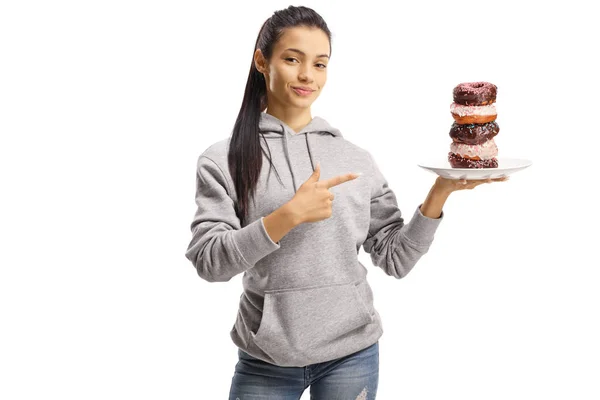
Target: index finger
[331,182]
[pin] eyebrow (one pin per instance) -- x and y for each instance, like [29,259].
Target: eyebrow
[301,52]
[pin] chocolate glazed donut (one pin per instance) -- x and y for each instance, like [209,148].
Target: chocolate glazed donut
[474,133]
[457,161]
[475,93]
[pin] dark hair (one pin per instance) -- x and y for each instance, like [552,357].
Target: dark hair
[244,157]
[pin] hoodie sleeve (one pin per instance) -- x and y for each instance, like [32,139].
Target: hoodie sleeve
[220,248]
[393,245]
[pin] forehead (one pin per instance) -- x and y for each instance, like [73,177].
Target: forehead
[312,41]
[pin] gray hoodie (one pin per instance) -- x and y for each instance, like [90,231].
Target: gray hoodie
[306,298]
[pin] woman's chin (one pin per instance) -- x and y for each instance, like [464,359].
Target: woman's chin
[302,102]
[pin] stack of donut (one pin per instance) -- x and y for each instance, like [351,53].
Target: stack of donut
[475,126]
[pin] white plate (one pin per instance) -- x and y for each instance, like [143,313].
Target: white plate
[506,166]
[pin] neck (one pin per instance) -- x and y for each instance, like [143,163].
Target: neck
[295,118]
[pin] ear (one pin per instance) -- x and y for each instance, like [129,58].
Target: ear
[259,62]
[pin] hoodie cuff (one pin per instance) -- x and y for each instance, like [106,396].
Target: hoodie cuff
[253,242]
[421,229]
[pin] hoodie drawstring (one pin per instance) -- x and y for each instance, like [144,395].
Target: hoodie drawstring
[287,155]
[309,153]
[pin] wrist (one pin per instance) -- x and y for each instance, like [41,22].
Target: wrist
[441,188]
[291,215]
[280,222]
[434,202]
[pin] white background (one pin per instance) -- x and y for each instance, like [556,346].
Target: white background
[105,107]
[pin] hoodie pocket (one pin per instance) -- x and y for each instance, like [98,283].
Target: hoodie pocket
[299,325]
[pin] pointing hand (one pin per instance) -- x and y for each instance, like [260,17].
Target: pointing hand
[312,202]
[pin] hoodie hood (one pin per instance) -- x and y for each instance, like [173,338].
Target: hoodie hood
[271,126]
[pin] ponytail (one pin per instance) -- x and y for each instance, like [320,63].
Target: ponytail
[245,152]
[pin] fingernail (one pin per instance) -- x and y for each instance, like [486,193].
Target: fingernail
[358,173]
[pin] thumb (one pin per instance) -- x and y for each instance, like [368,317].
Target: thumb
[316,174]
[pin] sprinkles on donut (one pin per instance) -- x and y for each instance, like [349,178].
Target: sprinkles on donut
[475,93]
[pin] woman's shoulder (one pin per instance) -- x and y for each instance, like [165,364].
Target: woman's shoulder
[216,151]
[349,148]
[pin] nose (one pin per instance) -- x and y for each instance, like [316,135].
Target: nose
[305,73]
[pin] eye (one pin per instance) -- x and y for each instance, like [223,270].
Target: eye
[324,66]
[290,58]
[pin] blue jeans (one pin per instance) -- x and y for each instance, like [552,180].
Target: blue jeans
[353,377]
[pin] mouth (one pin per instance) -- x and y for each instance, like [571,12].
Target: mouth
[303,91]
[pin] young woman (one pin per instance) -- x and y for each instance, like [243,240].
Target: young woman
[306,315]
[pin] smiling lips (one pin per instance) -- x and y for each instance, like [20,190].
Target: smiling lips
[302,91]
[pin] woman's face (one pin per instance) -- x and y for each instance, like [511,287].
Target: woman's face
[299,60]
